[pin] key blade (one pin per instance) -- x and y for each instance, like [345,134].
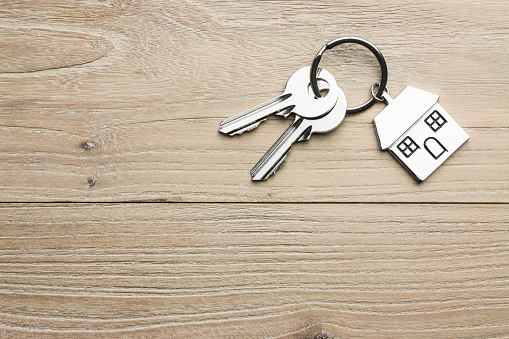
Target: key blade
[251,118]
[300,129]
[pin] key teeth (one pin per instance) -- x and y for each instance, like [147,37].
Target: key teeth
[245,129]
[272,171]
[222,128]
[280,162]
[286,112]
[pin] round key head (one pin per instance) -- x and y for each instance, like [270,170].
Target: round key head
[307,105]
[331,120]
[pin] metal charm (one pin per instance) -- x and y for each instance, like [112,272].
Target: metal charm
[417,131]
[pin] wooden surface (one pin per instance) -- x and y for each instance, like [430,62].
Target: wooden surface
[252,271]
[124,213]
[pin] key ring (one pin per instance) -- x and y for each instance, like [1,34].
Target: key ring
[382,98]
[373,49]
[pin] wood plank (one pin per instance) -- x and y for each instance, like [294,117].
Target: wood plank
[254,270]
[121,101]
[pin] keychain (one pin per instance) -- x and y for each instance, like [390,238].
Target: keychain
[415,129]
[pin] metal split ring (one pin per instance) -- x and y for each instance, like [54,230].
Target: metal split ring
[373,49]
[386,90]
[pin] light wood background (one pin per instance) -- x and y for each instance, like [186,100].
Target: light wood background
[124,213]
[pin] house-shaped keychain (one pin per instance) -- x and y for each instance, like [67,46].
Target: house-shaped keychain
[418,132]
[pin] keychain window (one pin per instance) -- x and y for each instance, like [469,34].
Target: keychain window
[408,147]
[435,121]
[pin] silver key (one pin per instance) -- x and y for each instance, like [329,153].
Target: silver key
[300,129]
[296,98]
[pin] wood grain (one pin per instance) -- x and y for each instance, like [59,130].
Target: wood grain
[124,213]
[252,270]
[121,100]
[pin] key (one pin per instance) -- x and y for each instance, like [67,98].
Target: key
[300,129]
[296,98]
